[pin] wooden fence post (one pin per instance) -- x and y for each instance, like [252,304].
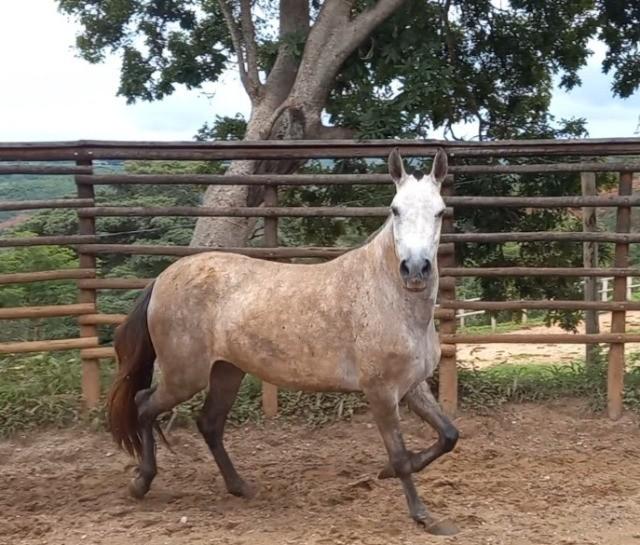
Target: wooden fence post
[90,366]
[448,371]
[590,260]
[615,374]
[270,391]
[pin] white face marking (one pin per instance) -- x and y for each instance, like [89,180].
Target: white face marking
[417,211]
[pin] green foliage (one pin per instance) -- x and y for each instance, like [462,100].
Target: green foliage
[162,43]
[41,390]
[38,258]
[223,128]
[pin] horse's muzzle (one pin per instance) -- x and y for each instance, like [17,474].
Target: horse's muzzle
[415,272]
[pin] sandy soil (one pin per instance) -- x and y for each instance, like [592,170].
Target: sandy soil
[484,355]
[543,474]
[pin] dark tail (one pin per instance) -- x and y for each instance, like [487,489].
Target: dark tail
[135,355]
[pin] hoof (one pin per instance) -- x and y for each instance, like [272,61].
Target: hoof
[443,527]
[242,490]
[387,473]
[138,487]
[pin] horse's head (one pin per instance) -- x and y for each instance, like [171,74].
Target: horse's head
[417,211]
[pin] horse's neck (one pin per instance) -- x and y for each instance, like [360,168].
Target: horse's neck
[383,264]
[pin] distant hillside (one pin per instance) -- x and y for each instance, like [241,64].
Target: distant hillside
[22,187]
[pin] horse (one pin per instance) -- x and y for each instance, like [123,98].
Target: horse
[363,322]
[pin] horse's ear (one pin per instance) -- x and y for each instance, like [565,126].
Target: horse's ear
[440,166]
[396,167]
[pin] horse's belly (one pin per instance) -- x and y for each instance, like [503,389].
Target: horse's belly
[294,364]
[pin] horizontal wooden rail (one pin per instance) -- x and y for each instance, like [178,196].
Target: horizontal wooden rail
[264,253]
[102,319]
[53,203]
[297,149]
[344,211]
[448,350]
[540,305]
[542,202]
[102,352]
[63,240]
[41,276]
[237,179]
[542,338]
[17,313]
[242,212]
[44,169]
[87,240]
[536,271]
[114,283]
[540,236]
[345,179]
[546,168]
[47,346]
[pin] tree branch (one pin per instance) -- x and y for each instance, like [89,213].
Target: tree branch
[236,40]
[318,131]
[294,21]
[249,38]
[360,27]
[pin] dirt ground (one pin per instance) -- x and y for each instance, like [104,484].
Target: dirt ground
[485,355]
[528,474]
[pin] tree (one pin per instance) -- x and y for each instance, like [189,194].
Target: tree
[376,68]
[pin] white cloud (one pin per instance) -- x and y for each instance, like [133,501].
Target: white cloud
[47,93]
[606,116]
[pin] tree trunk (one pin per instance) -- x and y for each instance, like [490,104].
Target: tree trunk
[289,104]
[234,232]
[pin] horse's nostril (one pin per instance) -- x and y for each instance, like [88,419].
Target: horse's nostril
[426,267]
[404,268]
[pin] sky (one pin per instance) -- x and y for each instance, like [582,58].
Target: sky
[48,93]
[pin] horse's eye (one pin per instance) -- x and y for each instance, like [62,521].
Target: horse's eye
[395,211]
[441,213]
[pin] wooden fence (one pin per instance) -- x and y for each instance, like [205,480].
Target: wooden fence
[27,158]
[601,293]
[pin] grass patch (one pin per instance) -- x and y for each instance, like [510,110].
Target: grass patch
[44,391]
[502,327]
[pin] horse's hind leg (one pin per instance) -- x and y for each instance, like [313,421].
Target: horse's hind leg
[151,403]
[224,384]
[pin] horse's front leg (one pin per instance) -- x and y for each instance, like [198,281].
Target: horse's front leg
[385,413]
[422,402]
